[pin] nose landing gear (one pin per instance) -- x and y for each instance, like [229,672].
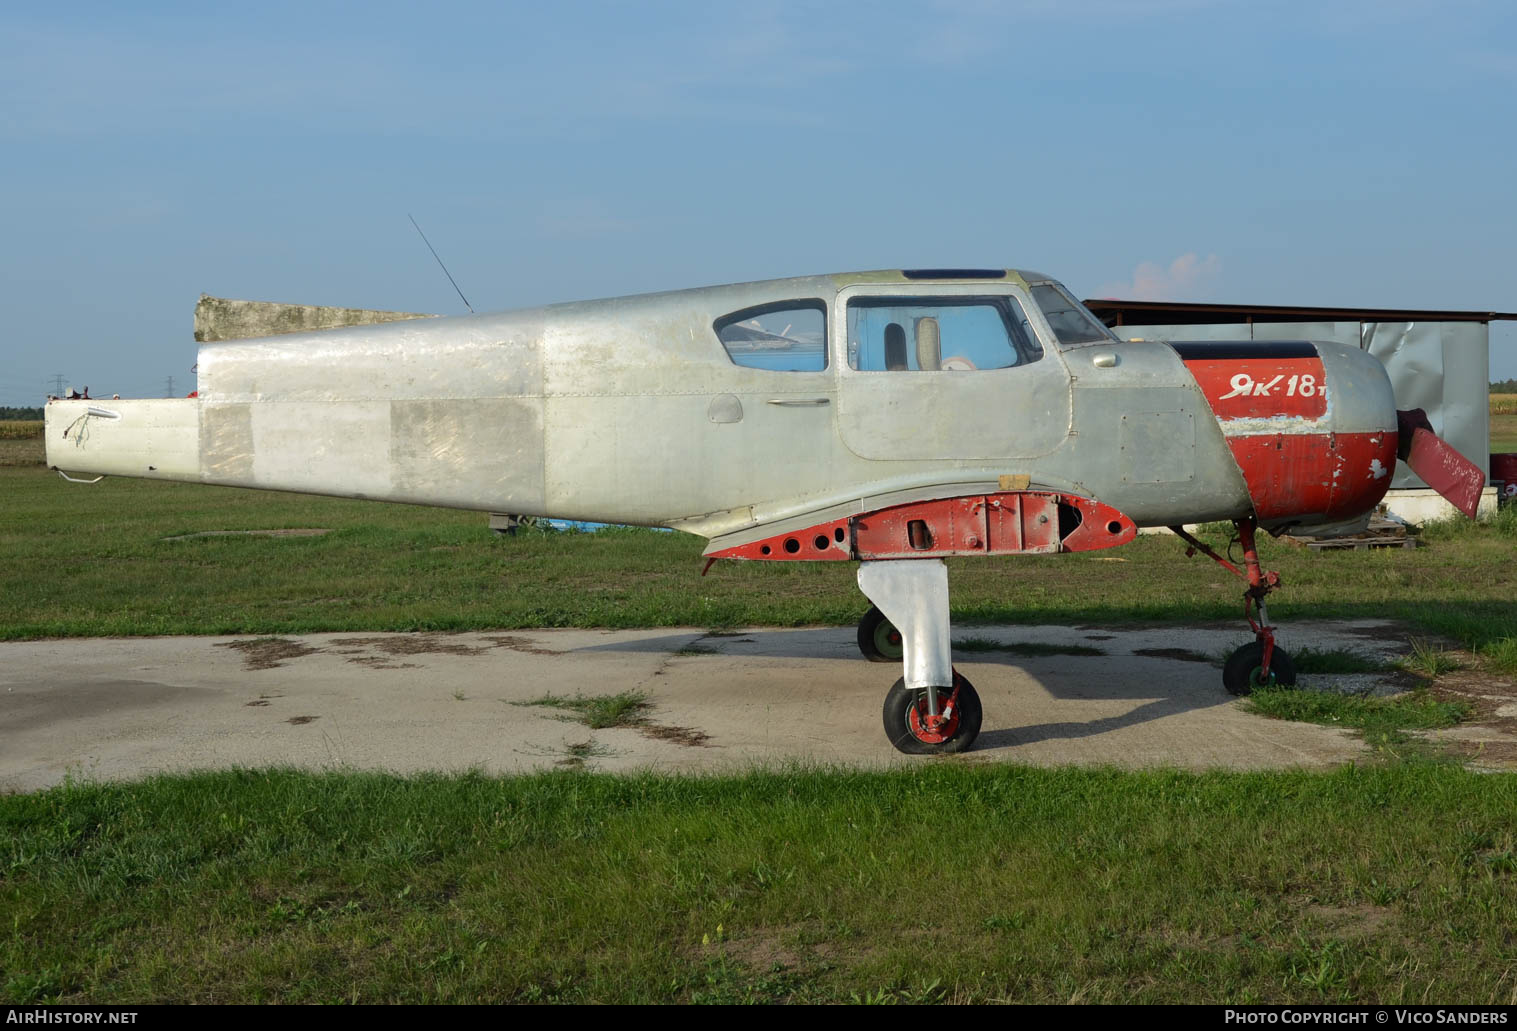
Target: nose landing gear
[1259,663]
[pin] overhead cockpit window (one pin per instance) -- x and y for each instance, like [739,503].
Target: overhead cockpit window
[788,337]
[938,334]
[1070,320]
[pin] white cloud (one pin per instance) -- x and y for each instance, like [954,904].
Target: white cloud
[1187,278]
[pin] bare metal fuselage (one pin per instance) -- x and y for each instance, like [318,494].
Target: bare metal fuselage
[630,410]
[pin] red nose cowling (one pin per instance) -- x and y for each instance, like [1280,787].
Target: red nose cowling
[1271,400]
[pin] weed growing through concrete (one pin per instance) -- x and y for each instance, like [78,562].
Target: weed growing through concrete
[626,709]
[1428,660]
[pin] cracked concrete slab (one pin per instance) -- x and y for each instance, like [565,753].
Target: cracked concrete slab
[127,708]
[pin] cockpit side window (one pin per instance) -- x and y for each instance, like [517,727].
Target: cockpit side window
[1070,320]
[790,336]
[938,334]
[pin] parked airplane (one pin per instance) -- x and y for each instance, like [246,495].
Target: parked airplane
[891,418]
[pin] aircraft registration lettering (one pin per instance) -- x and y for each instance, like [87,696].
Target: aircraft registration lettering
[1261,388]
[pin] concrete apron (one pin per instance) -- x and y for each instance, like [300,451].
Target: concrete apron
[127,708]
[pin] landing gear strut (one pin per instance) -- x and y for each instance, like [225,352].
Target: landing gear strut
[1260,663]
[933,708]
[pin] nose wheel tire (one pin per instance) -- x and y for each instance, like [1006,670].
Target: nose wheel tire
[1241,672]
[879,640]
[911,729]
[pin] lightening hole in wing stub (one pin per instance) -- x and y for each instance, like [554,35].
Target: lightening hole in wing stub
[765,550]
[1113,527]
[917,534]
[1070,519]
[839,535]
[821,543]
[792,545]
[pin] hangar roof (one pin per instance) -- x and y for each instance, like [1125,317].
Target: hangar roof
[1166,313]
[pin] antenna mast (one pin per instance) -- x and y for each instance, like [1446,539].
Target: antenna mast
[444,268]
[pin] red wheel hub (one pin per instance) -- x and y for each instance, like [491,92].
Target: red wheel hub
[934,730]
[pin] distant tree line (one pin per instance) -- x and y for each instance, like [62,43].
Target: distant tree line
[1506,386]
[26,414]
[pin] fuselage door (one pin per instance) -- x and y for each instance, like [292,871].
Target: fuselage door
[945,372]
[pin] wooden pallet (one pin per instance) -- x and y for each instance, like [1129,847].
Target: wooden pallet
[1361,543]
[1381,533]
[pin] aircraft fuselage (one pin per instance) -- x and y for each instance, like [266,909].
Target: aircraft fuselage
[698,410]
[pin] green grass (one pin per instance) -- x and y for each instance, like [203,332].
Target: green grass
[943,882]
[1383,722]
[627,709]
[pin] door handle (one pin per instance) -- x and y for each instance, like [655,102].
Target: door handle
[799,402]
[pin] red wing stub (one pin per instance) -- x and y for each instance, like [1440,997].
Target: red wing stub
[824,542]
[1442,468]
[1005,523]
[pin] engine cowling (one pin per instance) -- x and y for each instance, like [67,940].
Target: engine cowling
[1312,426]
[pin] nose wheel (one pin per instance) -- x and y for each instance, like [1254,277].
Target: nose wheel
[913,728]
[1259,663]
[1244,670]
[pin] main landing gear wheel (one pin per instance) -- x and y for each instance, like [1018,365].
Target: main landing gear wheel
[879,640]
[913,731]
[1240,674]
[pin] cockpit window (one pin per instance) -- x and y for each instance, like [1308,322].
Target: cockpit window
[1071,321]
[786,337]
[938,334]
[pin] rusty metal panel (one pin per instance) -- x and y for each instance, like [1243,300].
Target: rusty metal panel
[1003,524]
[1023,524]
[954,526]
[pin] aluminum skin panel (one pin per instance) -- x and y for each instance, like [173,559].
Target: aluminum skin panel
[157,439]
[1145,387]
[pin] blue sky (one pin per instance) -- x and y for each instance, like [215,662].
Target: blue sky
[1352,153]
